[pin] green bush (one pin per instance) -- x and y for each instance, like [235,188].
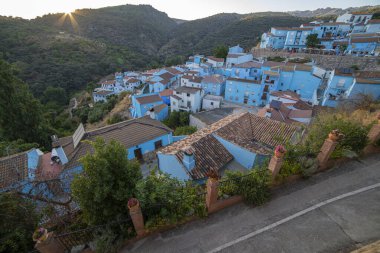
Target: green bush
[252,185]
[355,134]
[177,119]
[185,130]
[165,200]
[115,119]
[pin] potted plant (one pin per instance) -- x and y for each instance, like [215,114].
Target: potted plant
[40,235]
[279,151]
[133,204]
[335,135]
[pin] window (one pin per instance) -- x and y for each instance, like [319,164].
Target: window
[188,94]
[211,103]
[158,144]
[174,103]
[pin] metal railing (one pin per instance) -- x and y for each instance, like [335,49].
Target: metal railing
[85,236]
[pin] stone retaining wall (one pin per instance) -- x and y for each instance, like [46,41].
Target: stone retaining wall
[325,61]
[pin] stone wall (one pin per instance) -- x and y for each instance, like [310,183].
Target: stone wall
[325,61]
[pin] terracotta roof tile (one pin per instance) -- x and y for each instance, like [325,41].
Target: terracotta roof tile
[148,99]
[185,89]
[129,133]
[159,108]
[166,75]
[217,79]
[166,93]
[257,134]
[209,154]
[250,64]
[13,169]
[215,59]
[194,79]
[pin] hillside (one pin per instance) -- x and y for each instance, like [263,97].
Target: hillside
[72,51]
[322,12]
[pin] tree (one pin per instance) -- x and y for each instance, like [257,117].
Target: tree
[166,200]
[20,113]
[18,222]
[177,119]
[312,40]
[107,183]
[55,95]
[221,51]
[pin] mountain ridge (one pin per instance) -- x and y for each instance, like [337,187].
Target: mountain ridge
[72,51]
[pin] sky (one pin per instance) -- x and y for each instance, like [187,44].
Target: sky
[182,9]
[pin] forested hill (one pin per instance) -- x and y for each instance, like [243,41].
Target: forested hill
[70,51]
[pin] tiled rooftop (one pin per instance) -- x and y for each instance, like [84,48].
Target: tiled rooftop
[257,134]
[129,133]
[185,89]
[13,169]
[148,99]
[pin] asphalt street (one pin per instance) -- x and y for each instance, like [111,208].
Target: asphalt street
[334,211]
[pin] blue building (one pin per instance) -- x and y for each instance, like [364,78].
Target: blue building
[247,70]
[296,38]
[364,86]
[165,96]
[143,104]
[363,46]
[18,170]
[244,91]
[339,82]
[236,50]
[140,137]
[275,38]
[300,79]
[237,142]
[214,85]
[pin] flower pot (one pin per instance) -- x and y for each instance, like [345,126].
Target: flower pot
[333,137]
[279,154]
[40,235]
[133,204]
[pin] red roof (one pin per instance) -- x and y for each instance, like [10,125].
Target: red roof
[215,59]
[166,93]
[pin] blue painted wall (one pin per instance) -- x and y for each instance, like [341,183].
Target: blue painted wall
[241,155]
[169,164]
[237,90]
[164,113]
[363,88]
[337,85]
[149,145]
[214,89]
[139,110]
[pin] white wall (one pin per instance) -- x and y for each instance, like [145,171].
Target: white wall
[208,104]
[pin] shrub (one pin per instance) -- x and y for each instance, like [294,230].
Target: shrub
[114,119]
[185,130]
[355,134]
[166,200]
[252,185]
[177,119]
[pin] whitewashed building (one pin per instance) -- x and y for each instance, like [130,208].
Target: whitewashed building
[187,99]
[210,102]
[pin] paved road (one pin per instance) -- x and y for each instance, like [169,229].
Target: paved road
[333,211]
